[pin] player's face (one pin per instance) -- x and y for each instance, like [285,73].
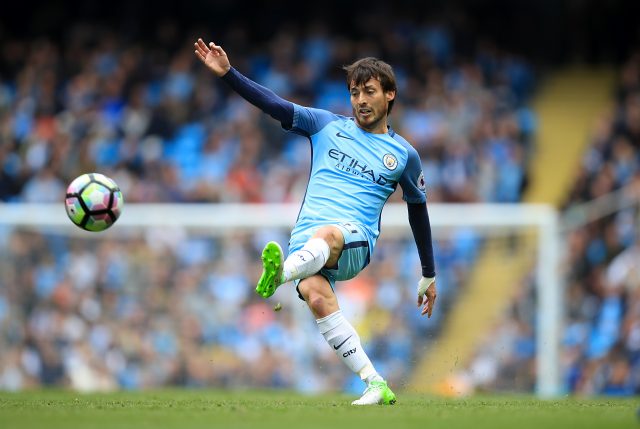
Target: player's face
[370,103]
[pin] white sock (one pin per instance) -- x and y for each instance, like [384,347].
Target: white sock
[369,374]
[345,341]
[306,261]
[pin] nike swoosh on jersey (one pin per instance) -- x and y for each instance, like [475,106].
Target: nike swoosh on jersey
[339,134]
[342,343]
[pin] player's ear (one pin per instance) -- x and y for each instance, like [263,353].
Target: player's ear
[391,95]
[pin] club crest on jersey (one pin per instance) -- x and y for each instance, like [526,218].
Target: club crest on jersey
[390,161]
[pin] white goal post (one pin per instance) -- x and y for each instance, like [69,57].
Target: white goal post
[223,218]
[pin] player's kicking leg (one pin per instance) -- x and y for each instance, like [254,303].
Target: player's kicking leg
[272,263]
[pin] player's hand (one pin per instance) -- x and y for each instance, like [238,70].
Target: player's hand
[213,56]
[427,294]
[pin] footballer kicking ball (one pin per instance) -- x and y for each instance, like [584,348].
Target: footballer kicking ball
[93,202]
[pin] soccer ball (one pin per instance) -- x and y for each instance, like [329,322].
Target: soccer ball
[94,202]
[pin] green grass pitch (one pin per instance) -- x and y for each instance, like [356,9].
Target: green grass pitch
[186,409]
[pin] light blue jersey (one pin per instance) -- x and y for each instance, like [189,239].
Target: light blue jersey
[353,173]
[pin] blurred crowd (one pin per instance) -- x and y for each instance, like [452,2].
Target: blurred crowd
[153,118]
[601,338]
[139,309]
[143,309]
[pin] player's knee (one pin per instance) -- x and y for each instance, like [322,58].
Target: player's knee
[335,240]
[331,235]
[317,303]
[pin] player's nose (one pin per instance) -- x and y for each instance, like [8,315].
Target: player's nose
[361,99]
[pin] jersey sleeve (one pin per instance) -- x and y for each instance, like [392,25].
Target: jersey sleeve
[307,121]
[412,179]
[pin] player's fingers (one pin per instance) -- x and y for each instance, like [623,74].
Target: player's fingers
[419,300]
[432,303]
[201,45]
[201,52]
[217,49]
[200,56]
[427,309]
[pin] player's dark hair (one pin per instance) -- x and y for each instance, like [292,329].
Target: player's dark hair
[364,69]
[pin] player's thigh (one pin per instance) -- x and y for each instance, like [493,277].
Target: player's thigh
[354,256]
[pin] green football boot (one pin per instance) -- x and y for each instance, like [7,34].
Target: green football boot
[272,263]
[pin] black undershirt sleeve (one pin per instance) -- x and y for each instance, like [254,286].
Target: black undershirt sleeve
[421,228]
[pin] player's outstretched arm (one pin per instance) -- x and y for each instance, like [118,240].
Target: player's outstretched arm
[213,56]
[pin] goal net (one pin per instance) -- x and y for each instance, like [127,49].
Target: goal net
[165,297]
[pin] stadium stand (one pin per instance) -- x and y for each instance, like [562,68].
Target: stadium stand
[600,340]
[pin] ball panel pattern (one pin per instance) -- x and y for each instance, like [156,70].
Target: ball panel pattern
[96,197]
[78,183]
[98,222]
[75,211]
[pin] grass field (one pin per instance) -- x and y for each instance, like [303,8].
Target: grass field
[186,409]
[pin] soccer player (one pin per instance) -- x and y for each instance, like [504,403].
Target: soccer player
[357,164]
